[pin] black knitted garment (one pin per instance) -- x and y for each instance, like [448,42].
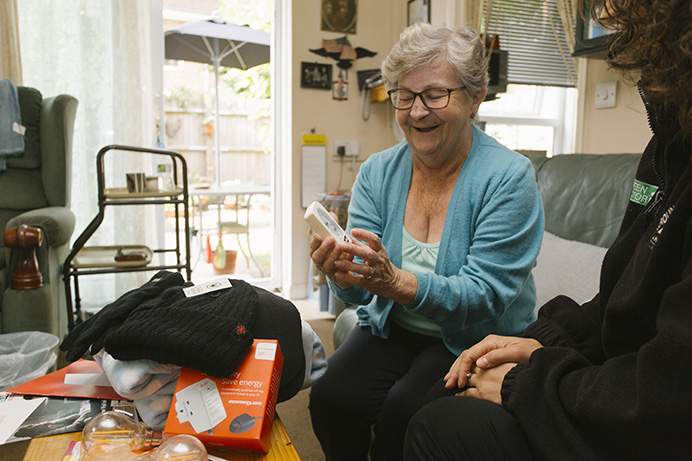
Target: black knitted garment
[209,332]
[92,332]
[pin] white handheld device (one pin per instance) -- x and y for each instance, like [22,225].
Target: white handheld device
[322,223]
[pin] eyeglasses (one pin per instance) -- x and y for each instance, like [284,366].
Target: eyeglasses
[432,98]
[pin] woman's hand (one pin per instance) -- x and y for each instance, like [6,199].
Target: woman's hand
[493,350]
[376,273]
[487,384]
[324,253]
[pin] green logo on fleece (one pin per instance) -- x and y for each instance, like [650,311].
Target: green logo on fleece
[642,192]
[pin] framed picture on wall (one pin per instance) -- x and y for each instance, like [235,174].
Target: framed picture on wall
[314,75]
[418,11]
[340,88]
[340,15]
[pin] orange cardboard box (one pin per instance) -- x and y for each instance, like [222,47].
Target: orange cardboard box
[235,413]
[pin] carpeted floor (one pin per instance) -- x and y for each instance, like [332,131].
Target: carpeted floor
[294,412]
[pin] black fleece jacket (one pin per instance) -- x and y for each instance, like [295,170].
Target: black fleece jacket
[614,380]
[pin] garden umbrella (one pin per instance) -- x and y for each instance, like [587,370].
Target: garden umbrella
[221,44]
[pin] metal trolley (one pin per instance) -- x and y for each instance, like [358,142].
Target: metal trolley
[89,260]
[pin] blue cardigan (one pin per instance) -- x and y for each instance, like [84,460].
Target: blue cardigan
[482,282]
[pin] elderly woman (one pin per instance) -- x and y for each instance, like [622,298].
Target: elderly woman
[609,379]
[449,225]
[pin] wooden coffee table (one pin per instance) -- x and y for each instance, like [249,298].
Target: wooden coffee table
[53,448]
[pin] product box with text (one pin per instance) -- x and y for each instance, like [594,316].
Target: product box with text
[234,413]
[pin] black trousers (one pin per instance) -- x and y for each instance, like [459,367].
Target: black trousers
[464,428]
[372,387]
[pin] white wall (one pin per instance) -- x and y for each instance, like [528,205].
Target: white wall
[621,129]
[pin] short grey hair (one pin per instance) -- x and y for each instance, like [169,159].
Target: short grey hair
[421,43]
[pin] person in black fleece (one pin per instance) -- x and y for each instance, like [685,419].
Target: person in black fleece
[612,378]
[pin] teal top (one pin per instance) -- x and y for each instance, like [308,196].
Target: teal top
[417,257]
[482,281]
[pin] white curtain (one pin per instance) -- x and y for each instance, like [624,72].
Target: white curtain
[10,65]
[98,51]
[473,12]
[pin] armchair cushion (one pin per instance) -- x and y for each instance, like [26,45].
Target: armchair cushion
[585,195]
[567,267]
[57,223]
[21,190]
[57,121]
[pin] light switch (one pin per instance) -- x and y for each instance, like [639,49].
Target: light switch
[605,95]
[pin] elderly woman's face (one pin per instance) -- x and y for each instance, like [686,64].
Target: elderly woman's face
[438,132]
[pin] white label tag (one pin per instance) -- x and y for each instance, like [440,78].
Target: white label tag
[207,287]
[17,128]
[87,379]
[265,351]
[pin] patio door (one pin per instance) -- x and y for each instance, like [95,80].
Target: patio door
[235,222]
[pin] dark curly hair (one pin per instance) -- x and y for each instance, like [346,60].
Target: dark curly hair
[654,45]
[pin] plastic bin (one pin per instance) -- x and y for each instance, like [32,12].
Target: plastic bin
[24,356]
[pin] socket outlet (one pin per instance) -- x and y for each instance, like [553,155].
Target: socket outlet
[350,148]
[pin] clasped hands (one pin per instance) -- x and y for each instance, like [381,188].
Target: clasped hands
[483,367]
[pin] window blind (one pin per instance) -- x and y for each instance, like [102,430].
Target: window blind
[528,30]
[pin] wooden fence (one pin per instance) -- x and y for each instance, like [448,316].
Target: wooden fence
[244,138]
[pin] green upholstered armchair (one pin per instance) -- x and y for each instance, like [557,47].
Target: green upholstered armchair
[35,191]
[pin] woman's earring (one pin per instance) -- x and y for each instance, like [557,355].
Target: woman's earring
[473,115]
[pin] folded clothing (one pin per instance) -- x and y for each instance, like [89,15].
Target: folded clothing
[11,130]
[315,356]
[136,379]
[92,332]
[209,332]
[150,385]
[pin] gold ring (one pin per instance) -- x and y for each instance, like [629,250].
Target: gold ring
[370,273]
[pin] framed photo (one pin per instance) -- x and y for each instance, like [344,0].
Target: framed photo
[418,11]
[313,75]
[340,90]
[339,16]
